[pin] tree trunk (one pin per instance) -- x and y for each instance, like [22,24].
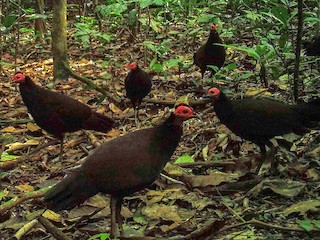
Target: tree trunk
[296,79]
[59,39]
[39,22]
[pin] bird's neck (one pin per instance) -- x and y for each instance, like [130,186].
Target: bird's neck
[213,38]
[223,108]
[28,83]
[166,138]
[28,90]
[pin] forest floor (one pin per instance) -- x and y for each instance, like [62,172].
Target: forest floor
[216,190]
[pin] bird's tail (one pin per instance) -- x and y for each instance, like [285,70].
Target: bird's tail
[70,192]
[98,122]
[310,112]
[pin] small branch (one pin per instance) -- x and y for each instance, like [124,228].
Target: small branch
[206,164]
[15,121]
[7,165]
[20,199]
[261,224]
[209,229]
[56,233]
[91,84]
[192,103]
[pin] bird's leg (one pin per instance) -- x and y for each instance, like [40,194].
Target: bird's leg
[118,215]
[136,116]
[113,208]
[263,157]
[273,151]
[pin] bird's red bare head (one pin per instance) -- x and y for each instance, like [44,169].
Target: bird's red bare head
[214,93]
[133,66]
[184,111]
[214,27]
[19,77]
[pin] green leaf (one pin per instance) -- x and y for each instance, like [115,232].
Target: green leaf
[253,16]
[101,236]
[184,158]
[283,40]
[158,2]
[7,21]
[6,64]
[37,16]
[206,18]
[281,13]
[145,3]
[306,224]
[317,223]
[171,63]
[132,17]
[3,194]
[251,52]
[6,157]
[312,19]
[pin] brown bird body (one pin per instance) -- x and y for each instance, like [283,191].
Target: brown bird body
[312,47]
[138,85]
[259,120]
[210,54]
[123,165]
[57,113]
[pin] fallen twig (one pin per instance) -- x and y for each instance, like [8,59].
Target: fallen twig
[15,121]
[257,223]
[91,84]
[192,103]
[7,165]
[56,233]
[206,164]
[22,198]
[208,229]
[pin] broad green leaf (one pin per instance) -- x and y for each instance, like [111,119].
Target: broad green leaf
[184,158]
[306,224]
[6,157]
[249,51]
[206,18]
[101,236]
[145,3]
[317,223]
[7,21]
[132,17]
[281,13]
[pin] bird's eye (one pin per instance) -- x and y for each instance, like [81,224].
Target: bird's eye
[185,111]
